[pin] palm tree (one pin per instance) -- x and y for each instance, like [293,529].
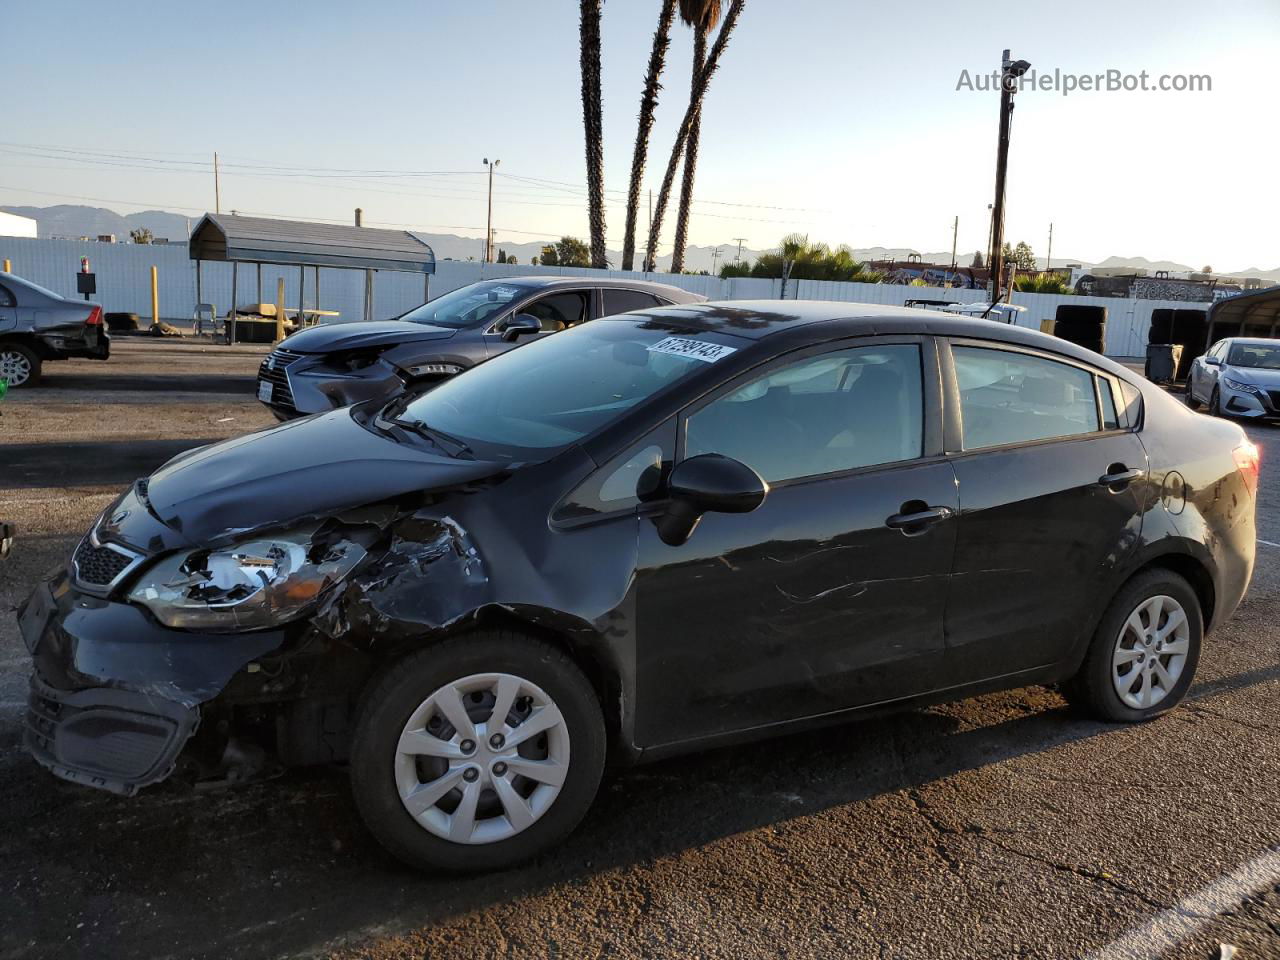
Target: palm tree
[702,16]
[648,103]
[593,126]
[700,84]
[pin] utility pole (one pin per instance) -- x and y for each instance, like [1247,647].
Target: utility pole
[488,233]
[955,232]
[1010,71]
[738,257]
[715,255]
[217,189]
[1048,257]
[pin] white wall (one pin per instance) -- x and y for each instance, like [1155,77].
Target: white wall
[124,284]
[12,225]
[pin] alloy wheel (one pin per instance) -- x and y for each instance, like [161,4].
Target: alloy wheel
[1150,652]
[482,758]
[15,368]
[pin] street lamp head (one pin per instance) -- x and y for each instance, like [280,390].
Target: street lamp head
[1019,67]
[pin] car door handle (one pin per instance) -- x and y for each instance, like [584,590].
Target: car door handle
[919,518]
[1119,478]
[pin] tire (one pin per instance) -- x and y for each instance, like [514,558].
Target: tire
[1189,398]
[1215,403]
[1096,687]
[408,693]
[20,366]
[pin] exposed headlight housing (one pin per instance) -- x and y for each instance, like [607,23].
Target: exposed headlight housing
[433,370]
[349,361]
[259,583]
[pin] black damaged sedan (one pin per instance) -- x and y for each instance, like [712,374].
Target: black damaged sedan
[650,534]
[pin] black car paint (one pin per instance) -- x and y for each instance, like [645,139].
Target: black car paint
[320,379]
[831,612]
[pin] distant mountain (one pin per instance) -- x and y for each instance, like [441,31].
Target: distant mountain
[72,221]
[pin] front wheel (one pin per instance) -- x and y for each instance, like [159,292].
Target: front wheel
[1144,653]
[478,752]
[1215,403]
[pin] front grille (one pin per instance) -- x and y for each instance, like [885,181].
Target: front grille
[99,565]
[272,371]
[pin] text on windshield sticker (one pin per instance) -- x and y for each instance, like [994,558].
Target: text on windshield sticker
[693,349]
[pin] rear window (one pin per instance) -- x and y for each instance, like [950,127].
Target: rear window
[622,301]
[1008,397]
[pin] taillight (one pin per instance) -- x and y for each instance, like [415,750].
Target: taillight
[1248,462]
[95,318]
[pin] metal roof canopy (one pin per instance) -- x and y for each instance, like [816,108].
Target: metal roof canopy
[1259,308]
[232,238]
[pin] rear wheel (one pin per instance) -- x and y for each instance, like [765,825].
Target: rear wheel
[1144,653]
[477,753]
[19,365]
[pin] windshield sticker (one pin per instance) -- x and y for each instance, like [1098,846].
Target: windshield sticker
[693,349]
[503,293]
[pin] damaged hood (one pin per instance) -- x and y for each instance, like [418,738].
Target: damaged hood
[357,336]
[308,467]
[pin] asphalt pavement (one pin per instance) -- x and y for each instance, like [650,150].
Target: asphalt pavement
[1004,826]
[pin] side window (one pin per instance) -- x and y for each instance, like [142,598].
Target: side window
[6,298]
[1109,419]
[1008,397]
[630,478]
[824,414]
[620,301]
[559,311]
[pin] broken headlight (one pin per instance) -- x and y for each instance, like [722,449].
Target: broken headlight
[259,583]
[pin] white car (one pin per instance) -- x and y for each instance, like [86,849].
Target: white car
[1237,377]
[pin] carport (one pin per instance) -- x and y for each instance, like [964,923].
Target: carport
[1254,314]
[235,239]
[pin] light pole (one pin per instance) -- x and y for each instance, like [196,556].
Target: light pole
[1010,71]
[488,233]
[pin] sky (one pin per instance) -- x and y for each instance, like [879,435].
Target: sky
[840,120]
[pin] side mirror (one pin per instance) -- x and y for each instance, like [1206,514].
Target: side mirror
[1213,361]
[709,483]
[521,323]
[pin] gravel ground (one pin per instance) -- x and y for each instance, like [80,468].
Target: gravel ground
[1003,826]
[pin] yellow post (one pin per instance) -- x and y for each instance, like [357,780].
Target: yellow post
[8,266]
[155,297]
[279,309]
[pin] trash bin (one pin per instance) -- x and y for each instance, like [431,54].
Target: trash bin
[1162,361]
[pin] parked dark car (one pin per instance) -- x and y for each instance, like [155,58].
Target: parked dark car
[337,364]
[651,534]
[38,325]
[1237,377]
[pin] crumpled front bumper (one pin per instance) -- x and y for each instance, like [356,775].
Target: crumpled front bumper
[115,696]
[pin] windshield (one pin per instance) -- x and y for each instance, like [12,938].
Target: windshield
[1263,355]
[533,402]
[30,285]
[470,306]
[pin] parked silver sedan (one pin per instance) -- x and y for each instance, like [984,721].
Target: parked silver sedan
[38,325]
[1237,377]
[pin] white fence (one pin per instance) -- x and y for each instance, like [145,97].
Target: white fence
[124,284]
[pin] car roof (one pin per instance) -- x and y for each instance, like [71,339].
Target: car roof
[666,289]
[1255,341]
[814,321]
